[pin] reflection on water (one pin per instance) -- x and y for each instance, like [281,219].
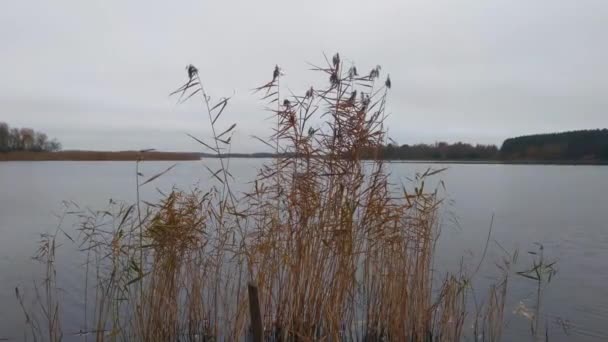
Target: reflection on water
[563,207]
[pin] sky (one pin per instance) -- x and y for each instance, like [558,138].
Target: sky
[97,74]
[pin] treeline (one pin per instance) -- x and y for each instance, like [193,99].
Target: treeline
[572,146]
[25,139]
[439,151]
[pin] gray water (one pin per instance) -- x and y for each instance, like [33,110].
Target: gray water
[563,207]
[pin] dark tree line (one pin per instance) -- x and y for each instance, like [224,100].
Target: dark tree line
[574,145]
[586,145]
[25,139]
[439,151]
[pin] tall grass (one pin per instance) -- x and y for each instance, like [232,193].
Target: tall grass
[336,251]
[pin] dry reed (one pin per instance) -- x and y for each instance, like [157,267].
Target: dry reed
[336,253]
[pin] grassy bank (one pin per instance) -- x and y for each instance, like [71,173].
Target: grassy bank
[97,156]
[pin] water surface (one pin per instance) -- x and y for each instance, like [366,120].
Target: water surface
[563,207]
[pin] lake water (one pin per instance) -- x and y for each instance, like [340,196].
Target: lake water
[563,207]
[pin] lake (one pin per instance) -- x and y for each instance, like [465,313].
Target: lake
[563,207]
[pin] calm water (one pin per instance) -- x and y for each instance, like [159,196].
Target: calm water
[563,207]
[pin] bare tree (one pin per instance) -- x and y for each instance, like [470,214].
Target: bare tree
[27,138]
[4,137]
[15,140]
[53,146]
[40,142]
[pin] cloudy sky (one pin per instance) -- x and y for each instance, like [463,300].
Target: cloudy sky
[96,74]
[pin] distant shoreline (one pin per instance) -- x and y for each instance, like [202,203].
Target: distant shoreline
[97,156]
[185,156]
[504,162]
[443,161]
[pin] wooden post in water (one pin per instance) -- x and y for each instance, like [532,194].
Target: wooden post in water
[256,315]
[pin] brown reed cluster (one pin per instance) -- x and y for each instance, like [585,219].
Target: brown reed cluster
[337,252]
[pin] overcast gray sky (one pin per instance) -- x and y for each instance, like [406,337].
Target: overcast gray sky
[96,74]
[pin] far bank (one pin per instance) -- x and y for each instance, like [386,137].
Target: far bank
[97,156]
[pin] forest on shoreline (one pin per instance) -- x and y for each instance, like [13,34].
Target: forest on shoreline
[585,146]
[13,139]
[574,147]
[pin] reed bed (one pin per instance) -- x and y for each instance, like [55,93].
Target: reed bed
[336,251]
